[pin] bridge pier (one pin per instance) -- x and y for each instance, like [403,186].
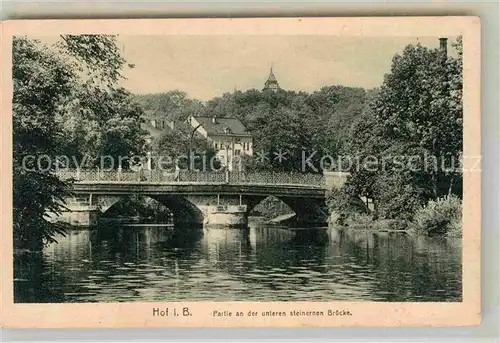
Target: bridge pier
[80,212]
[227,216]
[221,210]
[81,217]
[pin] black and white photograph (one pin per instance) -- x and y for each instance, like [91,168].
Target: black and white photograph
[158,168]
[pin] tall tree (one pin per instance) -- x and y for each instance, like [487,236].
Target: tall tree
[172,106]
[41,83]
[420,107]
[66,101]
[100,117]
[413,131]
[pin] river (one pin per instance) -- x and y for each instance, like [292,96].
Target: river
[162,263]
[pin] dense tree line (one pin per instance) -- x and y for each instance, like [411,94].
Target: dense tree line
[298,125]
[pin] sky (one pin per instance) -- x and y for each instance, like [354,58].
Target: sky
[210,65]
[207,66]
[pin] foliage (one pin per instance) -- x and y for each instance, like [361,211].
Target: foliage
[419,106]
[296,124]
[99,117]
[97,56]
[271,207]
[411,129]
[440,217]
[172,106]
[345,204]
[102,123]
[66,102]
[41,81]
[178,145]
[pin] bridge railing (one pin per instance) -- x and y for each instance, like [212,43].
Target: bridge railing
[261,177]
[270,177]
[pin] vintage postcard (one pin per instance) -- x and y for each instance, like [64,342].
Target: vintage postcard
[241,172]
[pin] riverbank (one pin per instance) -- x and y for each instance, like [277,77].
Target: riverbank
[440,217]
[367,223]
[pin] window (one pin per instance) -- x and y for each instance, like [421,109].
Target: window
[237,151]
[216,145]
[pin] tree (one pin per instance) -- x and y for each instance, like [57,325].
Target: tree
[41,82]
[102,125]
[66,101]
[420,108]
[176,145]
[336,108]
[100,118]
[295,123]
[172,106]
[413,129]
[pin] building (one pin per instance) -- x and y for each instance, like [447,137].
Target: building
[271,82]
[228,136]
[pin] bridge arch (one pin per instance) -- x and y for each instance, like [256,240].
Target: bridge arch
[309,211]
[132,204]
[184,211]
[263,205]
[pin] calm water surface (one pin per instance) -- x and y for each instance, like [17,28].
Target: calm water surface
[160,263]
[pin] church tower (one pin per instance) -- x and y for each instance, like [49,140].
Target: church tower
[271,83]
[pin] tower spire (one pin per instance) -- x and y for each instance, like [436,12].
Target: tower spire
[271,83]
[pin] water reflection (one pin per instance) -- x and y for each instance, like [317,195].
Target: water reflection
[161,263]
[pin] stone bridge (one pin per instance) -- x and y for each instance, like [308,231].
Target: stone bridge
[201,199]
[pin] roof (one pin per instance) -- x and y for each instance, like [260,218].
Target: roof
[271,82]
[223,126]
[271,77]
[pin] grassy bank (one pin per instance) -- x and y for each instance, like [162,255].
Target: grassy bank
[441,217]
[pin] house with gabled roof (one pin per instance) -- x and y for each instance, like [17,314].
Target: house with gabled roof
[228,136]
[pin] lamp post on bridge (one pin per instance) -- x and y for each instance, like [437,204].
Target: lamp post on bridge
[149,166]
[191,145]
[227,145]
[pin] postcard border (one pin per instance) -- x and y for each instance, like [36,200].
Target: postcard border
[364,313]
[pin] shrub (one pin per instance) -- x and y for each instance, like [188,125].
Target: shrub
[440,217]
[345,204]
